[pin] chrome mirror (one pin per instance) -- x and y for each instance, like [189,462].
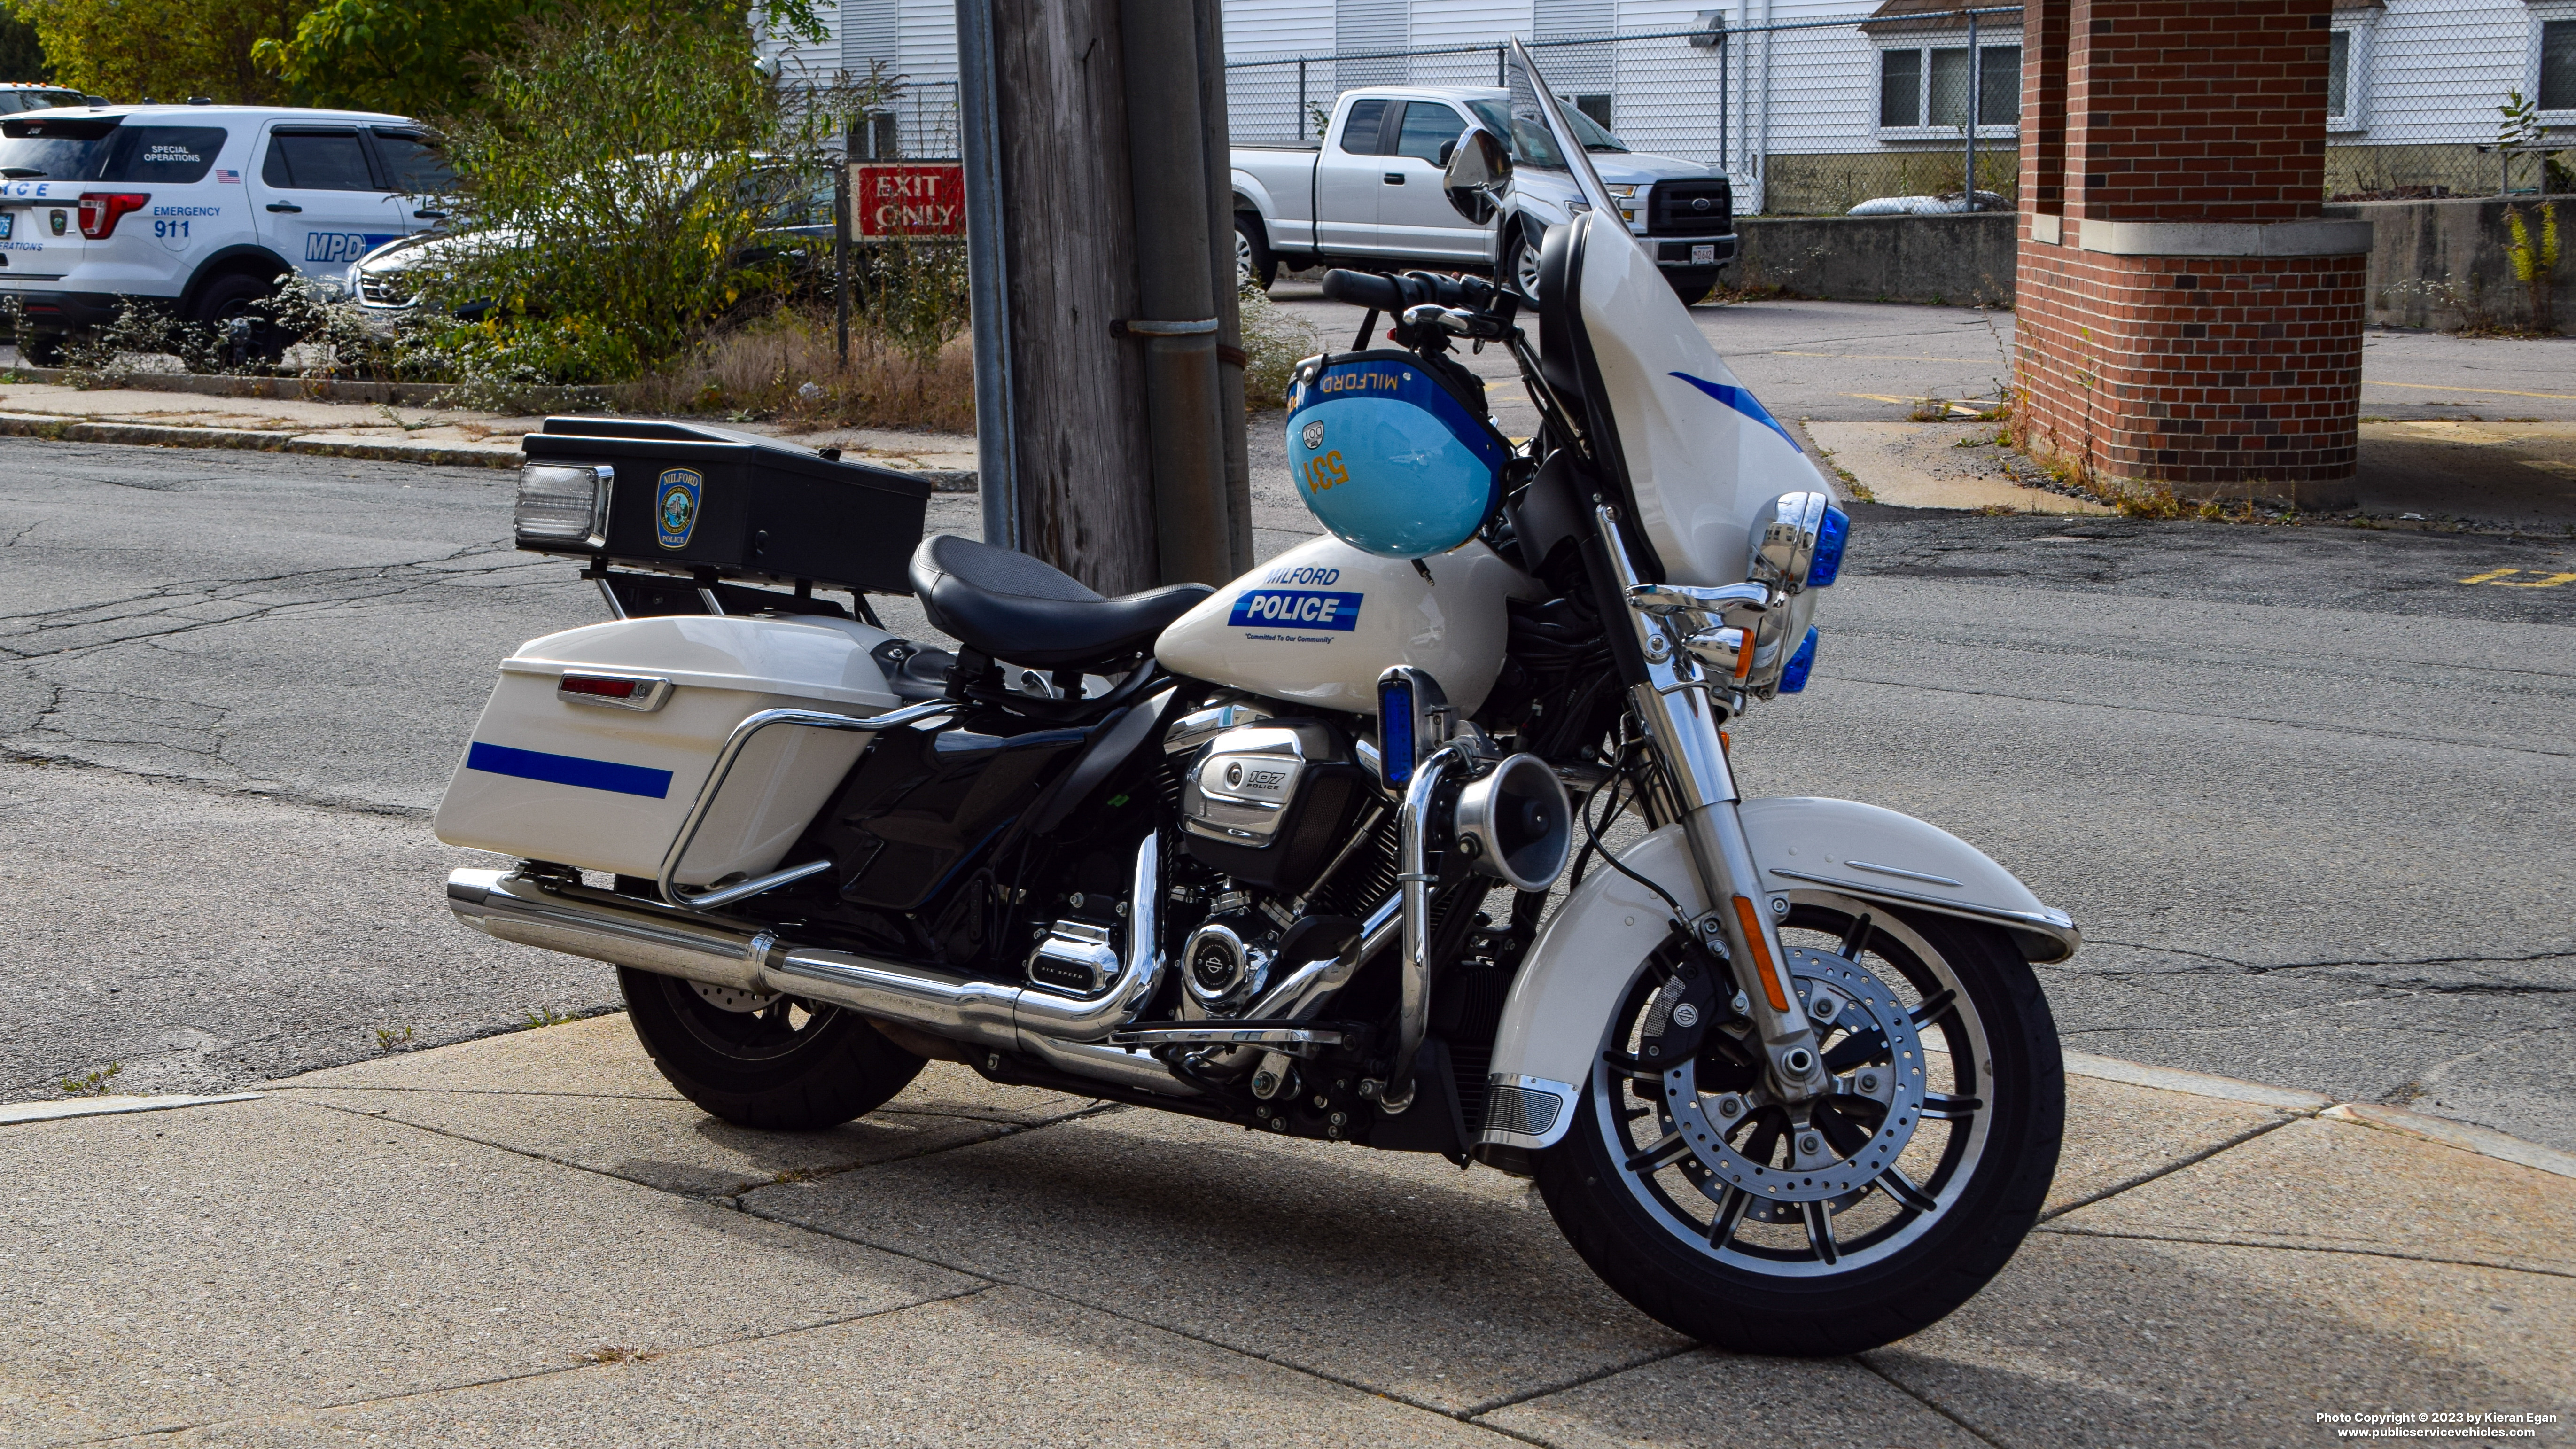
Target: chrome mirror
[1479,166]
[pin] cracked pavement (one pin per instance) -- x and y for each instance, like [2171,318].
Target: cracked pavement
[2306,792]
[232,687]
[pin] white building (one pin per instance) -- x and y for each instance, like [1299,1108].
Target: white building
[1813,104]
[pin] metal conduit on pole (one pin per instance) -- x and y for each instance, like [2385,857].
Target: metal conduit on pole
[1216,143]
[987,275]
[1176,321]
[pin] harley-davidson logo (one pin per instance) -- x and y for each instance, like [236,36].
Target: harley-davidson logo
[675,514]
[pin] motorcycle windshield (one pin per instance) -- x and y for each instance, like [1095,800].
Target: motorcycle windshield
[1694,451]
[1544,136]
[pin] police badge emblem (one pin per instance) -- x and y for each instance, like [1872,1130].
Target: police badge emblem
[675,511]
[1313,437]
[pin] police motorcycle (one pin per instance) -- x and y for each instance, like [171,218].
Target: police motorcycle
[1328,852]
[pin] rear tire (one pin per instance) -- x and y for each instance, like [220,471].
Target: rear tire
[1254,263]
[1770,1285]
[41,349]
[788,1065]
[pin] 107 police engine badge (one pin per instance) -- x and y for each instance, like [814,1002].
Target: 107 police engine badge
[1314,435]
[675,508]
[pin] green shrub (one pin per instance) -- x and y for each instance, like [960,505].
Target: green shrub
[613,186]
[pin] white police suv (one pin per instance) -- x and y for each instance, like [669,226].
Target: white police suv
[201,207]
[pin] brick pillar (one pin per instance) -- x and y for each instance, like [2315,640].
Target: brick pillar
[2185,319]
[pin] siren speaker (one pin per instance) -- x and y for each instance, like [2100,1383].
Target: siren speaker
[1516,825]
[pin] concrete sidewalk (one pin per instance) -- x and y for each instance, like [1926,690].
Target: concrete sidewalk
[451,436]
[530,1239]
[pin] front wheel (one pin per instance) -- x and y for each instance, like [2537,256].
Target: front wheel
[1849,1221]
[763,1060]
[1520,260]
[1254,264]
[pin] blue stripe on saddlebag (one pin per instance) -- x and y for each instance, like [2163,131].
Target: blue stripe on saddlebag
[569,770]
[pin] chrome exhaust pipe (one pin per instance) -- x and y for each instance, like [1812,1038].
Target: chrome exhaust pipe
[562,915]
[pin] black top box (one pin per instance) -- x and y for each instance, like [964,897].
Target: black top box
[687,499]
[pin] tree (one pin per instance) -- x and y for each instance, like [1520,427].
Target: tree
[166,49]
[612,189]
[427,57]
[22,57]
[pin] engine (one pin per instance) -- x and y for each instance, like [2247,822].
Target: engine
[1287,838]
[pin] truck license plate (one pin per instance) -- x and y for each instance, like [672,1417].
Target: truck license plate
[1704,256]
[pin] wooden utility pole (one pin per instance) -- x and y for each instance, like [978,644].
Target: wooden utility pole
[1105,445]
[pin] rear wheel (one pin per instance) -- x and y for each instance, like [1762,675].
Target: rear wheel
[763,1060]
[1846,1222]
[41,349]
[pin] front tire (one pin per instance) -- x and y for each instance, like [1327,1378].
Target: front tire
[1867,1249]
[1255,265]
[776,1062]
[1520,261]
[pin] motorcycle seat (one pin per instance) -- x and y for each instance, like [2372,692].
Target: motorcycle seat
[1013,607]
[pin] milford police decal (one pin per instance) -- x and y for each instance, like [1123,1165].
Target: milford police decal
[1295,609]
[675,509]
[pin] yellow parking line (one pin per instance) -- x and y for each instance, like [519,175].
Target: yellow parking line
[2490,391]
[2503,579]
[1878,357]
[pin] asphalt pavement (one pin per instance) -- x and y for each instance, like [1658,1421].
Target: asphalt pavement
[1871,362]
[2305,788]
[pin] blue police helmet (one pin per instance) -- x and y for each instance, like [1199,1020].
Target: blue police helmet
[1387,458]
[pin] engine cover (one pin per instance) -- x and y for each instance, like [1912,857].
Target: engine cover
[1266,803]
[1241,783]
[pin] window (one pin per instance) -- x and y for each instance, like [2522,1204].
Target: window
[1925,89]
[414,168]
[317,161]
[2339,77]
[38,100]
[103,150]
[1429,130]
[1360,129]
[2557,88]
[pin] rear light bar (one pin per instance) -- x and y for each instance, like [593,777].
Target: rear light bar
[615,691]
[100,210]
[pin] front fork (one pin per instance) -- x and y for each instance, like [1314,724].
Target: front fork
[1680,709]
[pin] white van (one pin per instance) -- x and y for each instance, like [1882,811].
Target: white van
[202,207]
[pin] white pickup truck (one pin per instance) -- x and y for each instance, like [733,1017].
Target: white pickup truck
[1369,194]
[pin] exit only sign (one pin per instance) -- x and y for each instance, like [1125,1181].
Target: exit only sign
[892,199]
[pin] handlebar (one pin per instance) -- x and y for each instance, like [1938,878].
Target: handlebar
[1412,289]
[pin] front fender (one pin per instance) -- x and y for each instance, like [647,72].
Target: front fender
[1580,967]
[1251,195]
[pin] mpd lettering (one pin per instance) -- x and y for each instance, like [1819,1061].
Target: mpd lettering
[1296,608]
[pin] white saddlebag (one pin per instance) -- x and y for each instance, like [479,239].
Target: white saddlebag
[571,772]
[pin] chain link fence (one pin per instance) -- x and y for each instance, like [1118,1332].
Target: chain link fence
[2466,100]
[1816,118]
[1804,119]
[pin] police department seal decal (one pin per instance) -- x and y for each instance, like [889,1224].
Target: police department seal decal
[675,507]
[1314,434]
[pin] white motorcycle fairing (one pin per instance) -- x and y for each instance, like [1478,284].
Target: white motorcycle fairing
[1580,967]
